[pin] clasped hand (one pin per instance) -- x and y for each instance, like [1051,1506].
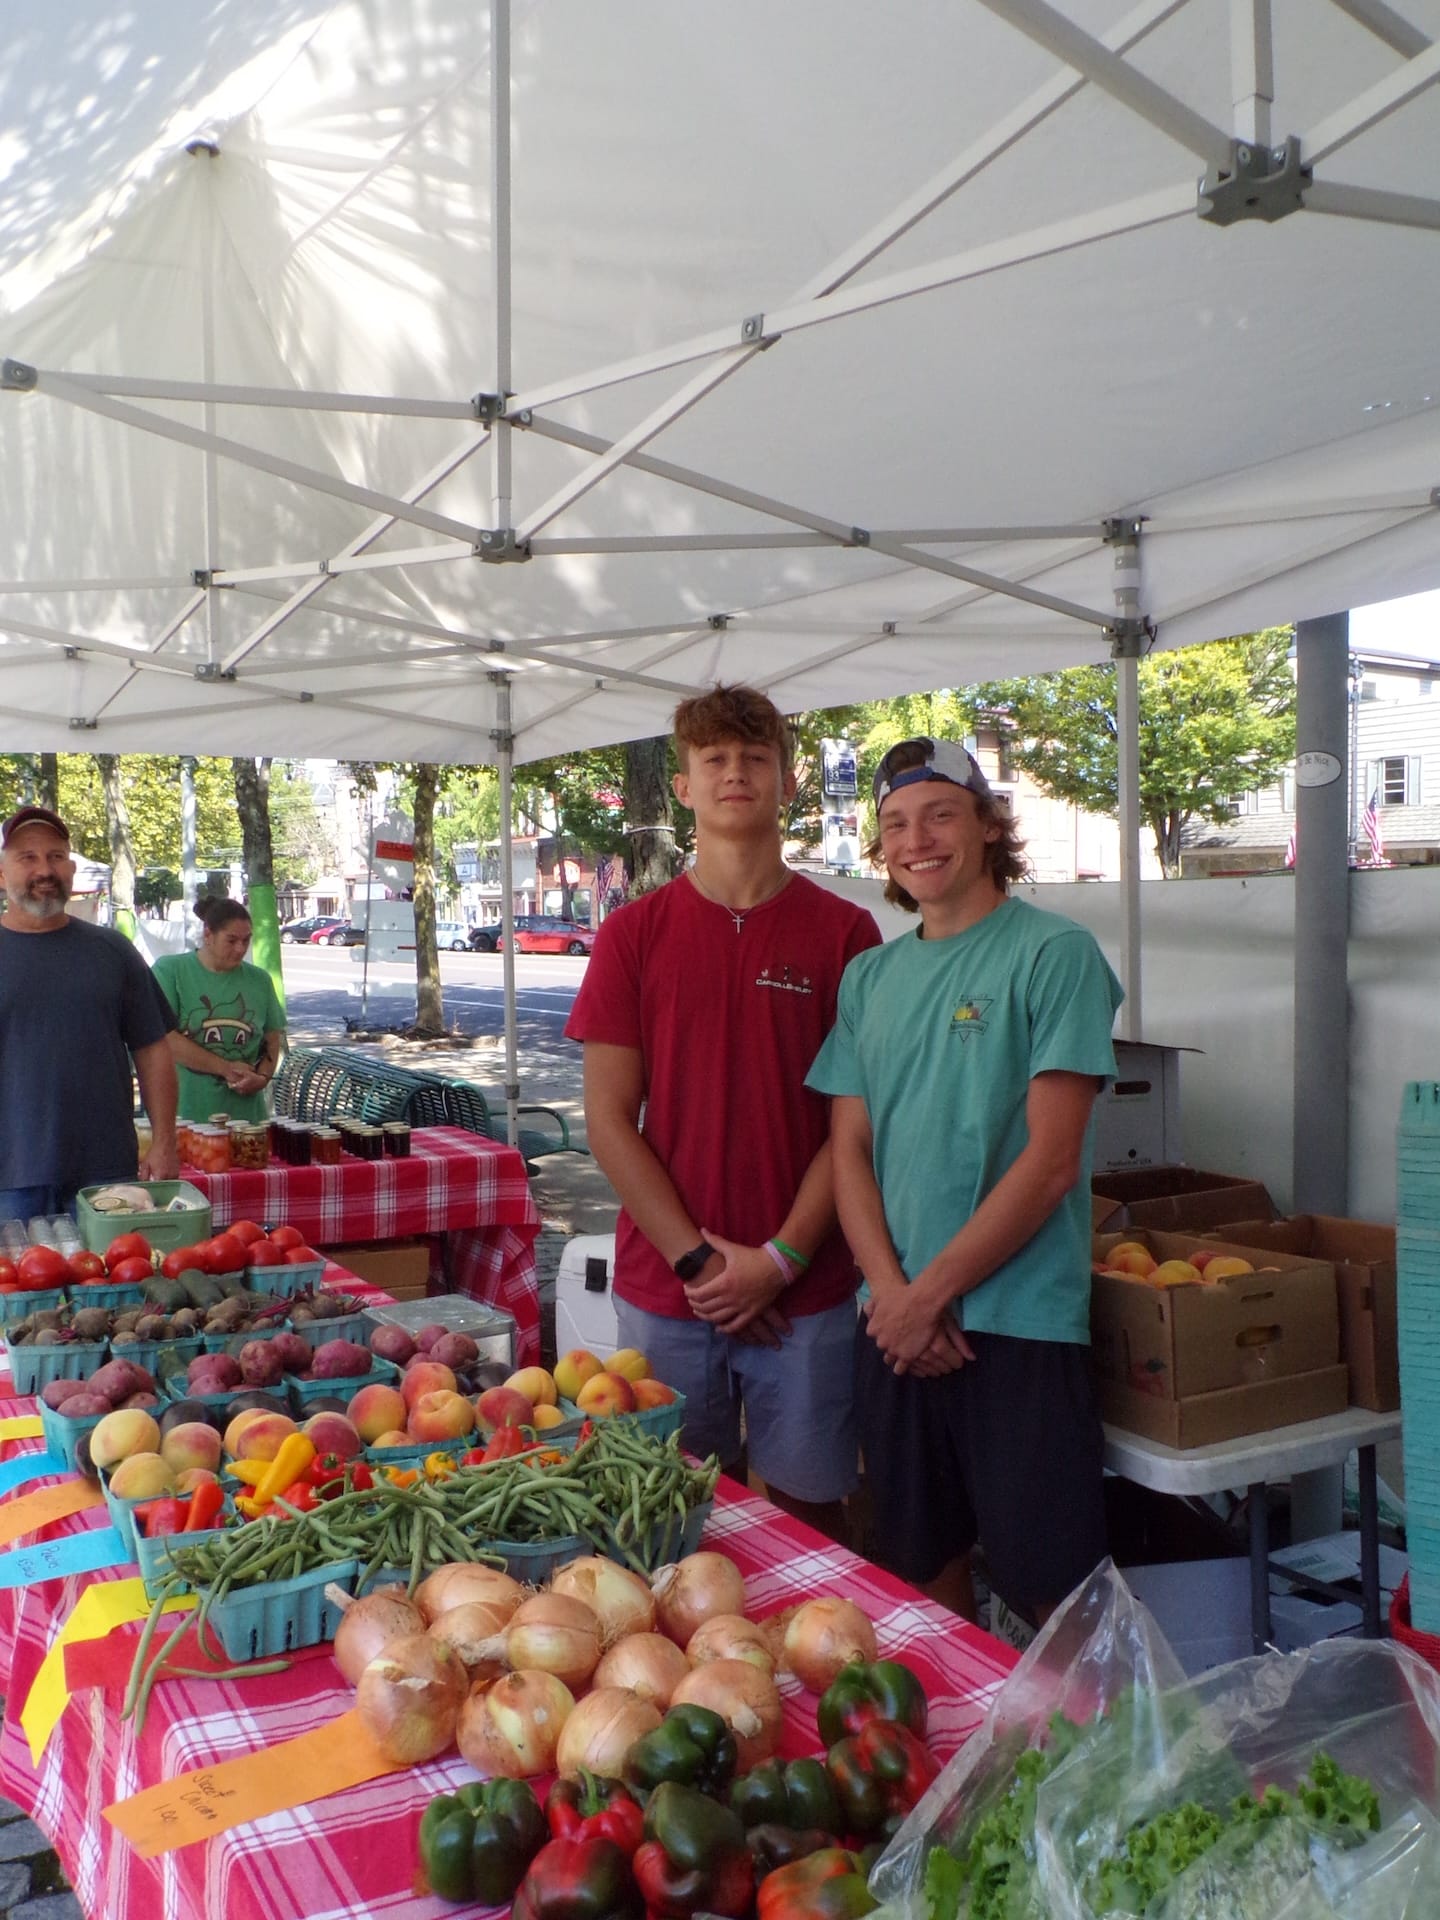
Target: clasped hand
[738,1297]
[913,1332]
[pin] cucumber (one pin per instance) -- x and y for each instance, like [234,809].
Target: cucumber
[201,1289]
[168,1295]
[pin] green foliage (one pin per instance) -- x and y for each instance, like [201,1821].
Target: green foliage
[587,792]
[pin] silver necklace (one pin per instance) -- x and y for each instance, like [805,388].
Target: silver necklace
[741,915]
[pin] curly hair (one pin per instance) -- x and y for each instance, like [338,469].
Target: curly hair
[1004,855]
[732,713]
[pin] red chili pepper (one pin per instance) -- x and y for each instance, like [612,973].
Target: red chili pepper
[594,1808]
[206,1505]
[360,1477]
[161,1517]
[300,1495]
[506,1442]
[474,1458]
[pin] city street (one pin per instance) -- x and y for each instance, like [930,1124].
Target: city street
[323,991]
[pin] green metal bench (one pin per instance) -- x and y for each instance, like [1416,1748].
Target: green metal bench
[466,1106]
[374,1091]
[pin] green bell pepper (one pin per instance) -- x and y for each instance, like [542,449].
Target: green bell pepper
[773,1847]
[879,1774]
[578,1880]
[476,1844]
[798,1794]
[691,1746]
[881,1690]
[694,1858]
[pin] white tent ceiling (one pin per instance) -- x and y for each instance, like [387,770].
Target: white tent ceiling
[969,233]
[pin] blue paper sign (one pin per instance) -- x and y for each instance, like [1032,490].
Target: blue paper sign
[76,1553]
[28,1466]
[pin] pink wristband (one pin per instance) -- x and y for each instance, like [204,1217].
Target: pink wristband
[787,1272]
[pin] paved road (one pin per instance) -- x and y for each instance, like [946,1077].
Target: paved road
[323,989]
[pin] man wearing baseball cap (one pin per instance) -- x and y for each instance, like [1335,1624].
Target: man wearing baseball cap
[964,1065]
[77,1007]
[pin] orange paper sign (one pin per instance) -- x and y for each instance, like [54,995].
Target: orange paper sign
[209,1800]
[32,1510]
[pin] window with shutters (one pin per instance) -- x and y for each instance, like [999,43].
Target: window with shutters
[1393,783]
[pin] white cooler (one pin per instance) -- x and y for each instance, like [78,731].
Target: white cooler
[584,1307]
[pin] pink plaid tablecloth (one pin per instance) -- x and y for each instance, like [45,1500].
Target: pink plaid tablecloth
[354,1854]
[473,1191]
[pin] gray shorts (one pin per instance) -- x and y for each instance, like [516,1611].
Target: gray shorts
[798,1397]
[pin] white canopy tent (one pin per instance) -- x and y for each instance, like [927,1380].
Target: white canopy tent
[421,381]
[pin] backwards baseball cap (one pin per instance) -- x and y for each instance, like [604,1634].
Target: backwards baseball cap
[944,760]
[30,817]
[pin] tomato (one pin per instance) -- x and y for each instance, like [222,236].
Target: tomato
[126,1246]
[261,1253]
[301,1256]
[286,1237]
[181,1260]
[227,1254]
[9,1274]
[86,1266]
[42,1267]
[126,1273]
[245,1231]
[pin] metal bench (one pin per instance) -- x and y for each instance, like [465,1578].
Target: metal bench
[466,1106]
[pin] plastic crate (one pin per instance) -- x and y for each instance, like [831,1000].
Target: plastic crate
[153,1556]
[18,1306]
[280,1615]
[491,1328]
[173,1387]
[63,1434]
[232,1342]
[658,1422]
[413,1454]
[382,1374]
[348,1326]
[283,1280]
[122,1514]
[676,1545]
[32,1368]
[532,1562]
[146,1353]
[106,1293]
[163,1229]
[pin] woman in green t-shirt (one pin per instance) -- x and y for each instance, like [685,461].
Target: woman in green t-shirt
[229,1027]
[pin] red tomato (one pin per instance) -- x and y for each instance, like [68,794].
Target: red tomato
[286,1237]
[126,1273]
[261,1253]
[245,1231]
[300,1256]
[9,1274]
[42,1267]
[126,1246]
[227,1254]
[182,1260]
[86,1266]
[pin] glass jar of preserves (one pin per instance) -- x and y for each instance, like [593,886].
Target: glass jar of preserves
[325,1147]
[250,1146]
[210,1149]
[397,1138]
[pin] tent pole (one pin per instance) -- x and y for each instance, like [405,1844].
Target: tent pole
[1130,638]
[505,743]
[210,465]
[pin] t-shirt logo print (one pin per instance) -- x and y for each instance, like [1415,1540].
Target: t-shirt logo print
[216,1028]
[969,1016]
[784,980]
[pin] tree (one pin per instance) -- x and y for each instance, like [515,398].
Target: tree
[1215,722]
[119,844]
[252,803]
[654,854]
[429,998]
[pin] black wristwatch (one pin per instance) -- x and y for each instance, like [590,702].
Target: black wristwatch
[691,1264]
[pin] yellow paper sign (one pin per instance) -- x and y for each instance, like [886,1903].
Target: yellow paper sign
[21,1426]
[32,1510]
[209,1800]
[106,1604]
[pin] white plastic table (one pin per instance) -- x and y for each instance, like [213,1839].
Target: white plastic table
[1253,1463]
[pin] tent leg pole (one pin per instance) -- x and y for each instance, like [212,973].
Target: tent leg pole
[1127,721]
[505,742]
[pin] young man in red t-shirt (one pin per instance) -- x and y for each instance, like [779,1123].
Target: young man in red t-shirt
[704,1004]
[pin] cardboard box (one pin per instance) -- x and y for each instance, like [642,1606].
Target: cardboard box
[1190,1365]
[1137,1117]
[400,1268]
[1182,1199]
[1363,1254]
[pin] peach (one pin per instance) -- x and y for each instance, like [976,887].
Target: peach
[542,1417]
[536,1385]
[503,1407]
[191,1444]
[1174,1273]
[194,1477]
[1130,1257]
[332,1433]
[426,1376]
[441,1416]
[262,1439]
[629,1363]
[607,1393]
[141,1476]
[574,1368]
[397,1437]
[1226,1267]
[652,1393]
[128,1431]
[233,1441]
[375,1410]
[1201,1258]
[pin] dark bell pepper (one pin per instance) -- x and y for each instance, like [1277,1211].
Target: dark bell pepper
[823,1886]
[772,1847]
[578,1880]
[691,1746]
[799,1794]
[476,1844]
[694,1859]
[593,1807]
[879,1774]
[859,1693]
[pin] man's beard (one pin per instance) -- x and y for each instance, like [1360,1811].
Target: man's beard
[38,902]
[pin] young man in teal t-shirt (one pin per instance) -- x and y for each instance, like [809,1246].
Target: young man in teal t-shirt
[964,1065]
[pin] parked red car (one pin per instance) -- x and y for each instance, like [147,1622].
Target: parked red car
[545,933]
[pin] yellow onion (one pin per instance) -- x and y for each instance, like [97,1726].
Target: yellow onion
[601,1731]
[469,1629]
[729,1636]
[745,1698]
[550,1633]
[648,1664]
[691,1592]
[409,1698]
[512,1726]
[825,1635]
[620,1600]
[369,1625]
[459,1581]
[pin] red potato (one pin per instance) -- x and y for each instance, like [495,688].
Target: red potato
[339,1360]
[392,1343]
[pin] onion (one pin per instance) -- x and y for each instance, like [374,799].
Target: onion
[409,1698]
[602,1730]
[646,1663]
[822,1637]
[620,1600]
[460,1581]
[550,1633]
[513,1726]
[729,1636]
[469,1629]
[692,1592]
[746,1699]
[369,1625]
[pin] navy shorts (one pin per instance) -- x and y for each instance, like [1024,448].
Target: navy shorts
[1006,1451]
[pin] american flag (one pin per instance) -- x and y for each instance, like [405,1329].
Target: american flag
[1370,829]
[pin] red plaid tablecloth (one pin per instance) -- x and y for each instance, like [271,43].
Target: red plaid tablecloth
[354,1854]
[473,1191]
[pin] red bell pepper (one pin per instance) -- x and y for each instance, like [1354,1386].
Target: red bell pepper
[694,1859]
[505,1442]
[578,1880]
[207,1503]
[359,1478]
[162,1517]
[879,1774]
[300,1495]
[592,1807]
[825,1886]
[325,1468]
